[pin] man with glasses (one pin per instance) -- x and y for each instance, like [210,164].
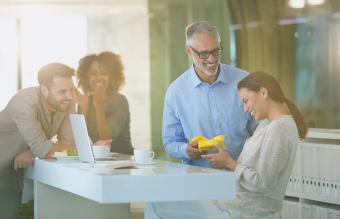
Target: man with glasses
[204,100]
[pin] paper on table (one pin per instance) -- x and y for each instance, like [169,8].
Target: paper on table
[122,165]
[114,164]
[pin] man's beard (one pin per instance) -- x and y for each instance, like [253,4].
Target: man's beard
[208,72]
[57,104]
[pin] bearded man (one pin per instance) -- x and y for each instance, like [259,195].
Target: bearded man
[29,123]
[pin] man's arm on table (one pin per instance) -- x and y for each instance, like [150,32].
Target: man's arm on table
[25,118]
[65,138]
[26,158]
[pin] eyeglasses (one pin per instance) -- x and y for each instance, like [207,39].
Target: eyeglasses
[205,54]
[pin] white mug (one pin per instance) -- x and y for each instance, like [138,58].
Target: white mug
[100,151]
[143,155]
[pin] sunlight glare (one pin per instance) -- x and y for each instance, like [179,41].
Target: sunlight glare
[8,56]
[296,3]
[51,39]
[315,2]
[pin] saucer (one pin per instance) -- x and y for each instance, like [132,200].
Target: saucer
[147,163]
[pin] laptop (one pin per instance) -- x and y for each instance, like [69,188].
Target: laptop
[83,141]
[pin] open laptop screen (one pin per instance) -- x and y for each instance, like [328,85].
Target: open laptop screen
[81,138]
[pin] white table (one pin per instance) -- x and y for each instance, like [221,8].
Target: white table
[70,189]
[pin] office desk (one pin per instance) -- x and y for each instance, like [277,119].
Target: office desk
[70,189]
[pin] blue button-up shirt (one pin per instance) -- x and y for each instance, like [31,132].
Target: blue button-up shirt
[193,107]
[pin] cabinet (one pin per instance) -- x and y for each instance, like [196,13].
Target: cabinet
[313,190]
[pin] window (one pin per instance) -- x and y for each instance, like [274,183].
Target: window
[67,32]
[8,59]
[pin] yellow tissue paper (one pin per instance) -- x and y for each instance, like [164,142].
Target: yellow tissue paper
[205,144]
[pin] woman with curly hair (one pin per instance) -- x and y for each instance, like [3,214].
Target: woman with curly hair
[100,77]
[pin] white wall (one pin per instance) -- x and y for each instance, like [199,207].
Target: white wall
[125,31]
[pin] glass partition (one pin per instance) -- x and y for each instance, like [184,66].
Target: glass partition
[298,42]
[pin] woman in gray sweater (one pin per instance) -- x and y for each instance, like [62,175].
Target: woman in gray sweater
[262,171]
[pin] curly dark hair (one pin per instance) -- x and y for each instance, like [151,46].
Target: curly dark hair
[111,61]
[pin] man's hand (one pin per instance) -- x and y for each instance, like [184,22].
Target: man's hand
[23,160]
[193,151]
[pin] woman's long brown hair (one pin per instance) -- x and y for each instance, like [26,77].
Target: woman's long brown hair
[256,80]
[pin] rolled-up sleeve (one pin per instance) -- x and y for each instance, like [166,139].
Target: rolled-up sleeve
[174,140]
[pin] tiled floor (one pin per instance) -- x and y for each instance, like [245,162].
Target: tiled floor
[137,215]
[137,211]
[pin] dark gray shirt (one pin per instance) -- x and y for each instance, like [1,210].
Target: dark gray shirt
[118,117]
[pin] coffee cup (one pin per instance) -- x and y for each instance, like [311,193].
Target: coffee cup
[100,151]
[143,155]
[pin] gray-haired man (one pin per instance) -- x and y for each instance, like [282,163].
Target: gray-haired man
[204,100]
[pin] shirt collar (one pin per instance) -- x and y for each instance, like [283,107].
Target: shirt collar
[196,81]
